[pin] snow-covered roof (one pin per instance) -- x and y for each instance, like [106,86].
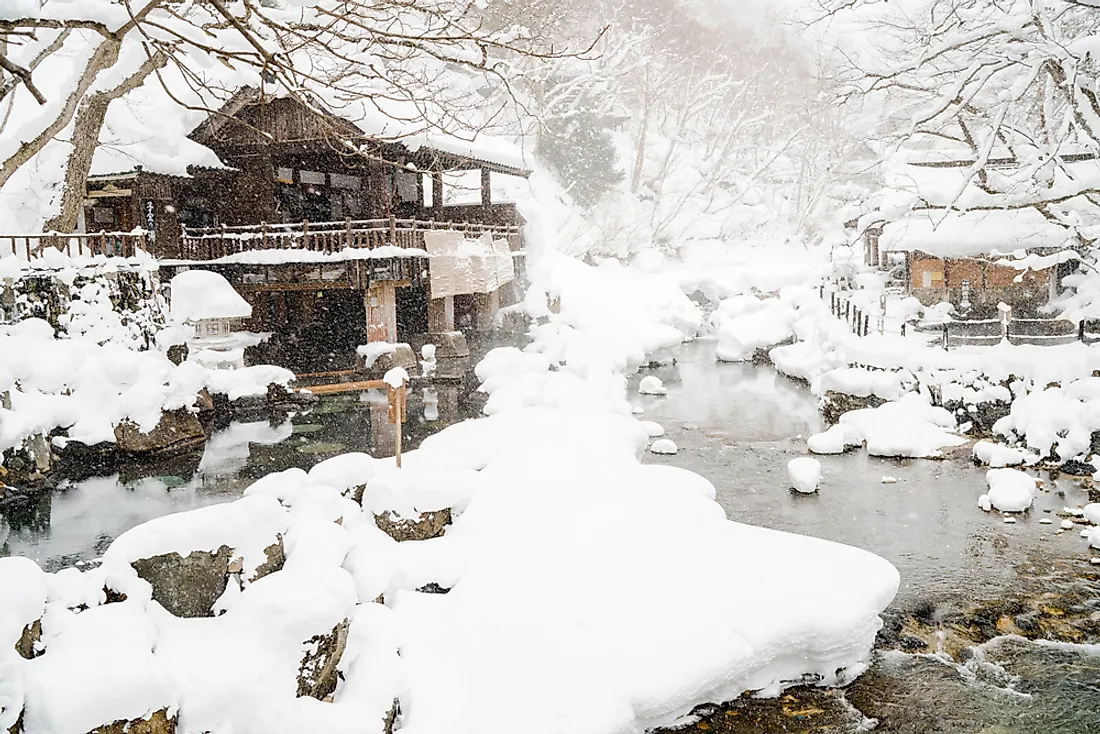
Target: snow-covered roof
[974,234]
[202,294]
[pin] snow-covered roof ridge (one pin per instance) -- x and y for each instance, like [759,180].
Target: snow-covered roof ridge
[974,233]
[202,294]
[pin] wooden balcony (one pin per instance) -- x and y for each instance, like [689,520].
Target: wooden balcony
[211,243]
[86,244]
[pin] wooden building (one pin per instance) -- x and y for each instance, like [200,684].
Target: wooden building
[297,185]
[976,260]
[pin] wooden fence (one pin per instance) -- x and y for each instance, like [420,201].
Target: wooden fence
[211,243]
[30,246]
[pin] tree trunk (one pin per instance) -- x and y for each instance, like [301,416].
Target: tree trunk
[89,123]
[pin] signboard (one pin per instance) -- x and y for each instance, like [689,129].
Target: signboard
[151,219]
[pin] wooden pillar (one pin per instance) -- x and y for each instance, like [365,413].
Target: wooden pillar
[437,193]
[487,306]
[441,315]
[486,188]
[380,305]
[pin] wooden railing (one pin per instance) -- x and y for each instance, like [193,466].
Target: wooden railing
[30,246]
[211,243]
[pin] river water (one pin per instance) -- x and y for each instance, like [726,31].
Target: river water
[738,425]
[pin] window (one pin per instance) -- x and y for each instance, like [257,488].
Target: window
[284,175]
[312,177]
[407,186]
[212,328]
[341,181]
[926,279]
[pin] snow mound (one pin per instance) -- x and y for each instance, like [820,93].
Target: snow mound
[203,294]
[764,327]
[1010,490]
[664,446]
[652,385]
[910,427]
[805,474]
[888,385]
[835,440]
[654,429]
[997,455]
[1091,512]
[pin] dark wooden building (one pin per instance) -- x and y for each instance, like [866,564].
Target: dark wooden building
[309,182]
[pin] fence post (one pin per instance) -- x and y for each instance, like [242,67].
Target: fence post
[305,235]
[847,310]
[945,336]
[903,328]
[866,324]
[821,291]
[1081,331]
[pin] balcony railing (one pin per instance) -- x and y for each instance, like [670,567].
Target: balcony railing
[31,246]
[212,243]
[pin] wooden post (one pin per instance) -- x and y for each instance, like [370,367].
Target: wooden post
[305,234]
[847,310]
[263,235]
[437,194]
[397,409]
[486,188]
[903,328]
[866,324]
[832,303]
[393,229]
[946,338]
[1081,331]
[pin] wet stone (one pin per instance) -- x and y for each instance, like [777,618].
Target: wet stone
[177,430]
[25,645]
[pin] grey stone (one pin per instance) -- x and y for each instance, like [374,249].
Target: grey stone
[177,430]
[449,345]
[187,586]
[159,722]
[32,633]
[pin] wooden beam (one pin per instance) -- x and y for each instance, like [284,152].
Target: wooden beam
[272,287]
[339,387]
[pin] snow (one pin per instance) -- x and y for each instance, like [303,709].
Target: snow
[203,294]
[835,440]
[805,474]
[396,377]
[664,446]
[1010,490]
[654,429]
[973,234]
[370,353]
[652,385]
[762,327]
[1091,512]
[998,455]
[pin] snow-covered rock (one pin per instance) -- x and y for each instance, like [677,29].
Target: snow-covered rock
[997,455]
[805,474]
[761,328]
[1091,512]
[1010,490]
[664,446]
[652,385]
[910,427]
[835,440]
[654,429]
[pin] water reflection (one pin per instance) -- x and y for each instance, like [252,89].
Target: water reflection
[78,520]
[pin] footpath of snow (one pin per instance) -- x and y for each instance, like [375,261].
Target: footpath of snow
[560,562]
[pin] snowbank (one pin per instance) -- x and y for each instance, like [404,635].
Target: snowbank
[581,536]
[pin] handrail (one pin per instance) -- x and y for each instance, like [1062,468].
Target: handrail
[213,243]
[32,245]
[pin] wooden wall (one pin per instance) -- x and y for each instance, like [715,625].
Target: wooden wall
[933,280]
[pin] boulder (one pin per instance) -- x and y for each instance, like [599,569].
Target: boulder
[449,345]
[30,463]
[276,557]
[177,430]
[32,633]
[836,404]
[317,674]
[187,586]
[159,722]
[424,526]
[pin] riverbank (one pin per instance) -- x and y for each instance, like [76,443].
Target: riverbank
[969,581]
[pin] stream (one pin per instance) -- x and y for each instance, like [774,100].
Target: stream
[969,582]
[950,658]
